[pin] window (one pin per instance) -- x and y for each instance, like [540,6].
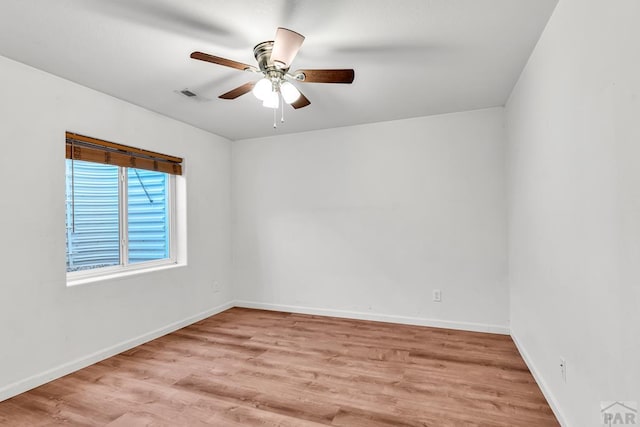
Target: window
[120,207]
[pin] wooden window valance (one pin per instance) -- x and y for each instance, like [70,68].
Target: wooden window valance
[80,147]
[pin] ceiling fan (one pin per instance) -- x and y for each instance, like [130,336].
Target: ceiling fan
[274,59]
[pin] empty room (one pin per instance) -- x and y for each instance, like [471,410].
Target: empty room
[320,213]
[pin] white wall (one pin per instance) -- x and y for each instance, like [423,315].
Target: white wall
[366,221]
[47,328]
[574,206]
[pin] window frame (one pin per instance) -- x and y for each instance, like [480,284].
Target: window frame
[81,276]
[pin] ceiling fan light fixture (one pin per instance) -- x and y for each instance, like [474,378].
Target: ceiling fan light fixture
[271,101]
[262,89]
[289,92]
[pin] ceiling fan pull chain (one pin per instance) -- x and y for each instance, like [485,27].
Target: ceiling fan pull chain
[275,124]
[282,107]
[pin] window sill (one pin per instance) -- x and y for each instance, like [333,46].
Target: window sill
[121,274]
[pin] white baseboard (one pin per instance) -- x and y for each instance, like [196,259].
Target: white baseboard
[42,378]
[541,383]
[418,321]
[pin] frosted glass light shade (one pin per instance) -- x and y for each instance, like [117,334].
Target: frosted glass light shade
[272,100]
[289,92]
[262,89]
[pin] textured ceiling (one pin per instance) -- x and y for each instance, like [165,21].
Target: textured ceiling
[411,57]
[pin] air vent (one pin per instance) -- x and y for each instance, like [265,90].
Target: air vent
[192,96]
[187,92]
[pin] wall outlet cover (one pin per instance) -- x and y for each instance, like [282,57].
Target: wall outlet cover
[437,295]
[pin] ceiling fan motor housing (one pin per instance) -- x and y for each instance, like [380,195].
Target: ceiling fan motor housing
[262,52]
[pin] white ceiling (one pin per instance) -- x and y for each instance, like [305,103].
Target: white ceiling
[411,57]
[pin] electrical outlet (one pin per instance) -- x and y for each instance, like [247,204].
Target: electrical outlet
[215,286]
[437,295]
[563,369]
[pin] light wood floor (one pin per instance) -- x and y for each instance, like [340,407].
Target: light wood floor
[251,367]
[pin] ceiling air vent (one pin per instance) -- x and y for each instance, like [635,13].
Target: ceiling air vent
[193,96]
[187,92]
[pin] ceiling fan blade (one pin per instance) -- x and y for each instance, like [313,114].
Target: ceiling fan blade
[285,47]
[301,102]
[239,91]
[325,76]
[220,61]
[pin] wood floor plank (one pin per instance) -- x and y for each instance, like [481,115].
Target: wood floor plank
[248,367]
